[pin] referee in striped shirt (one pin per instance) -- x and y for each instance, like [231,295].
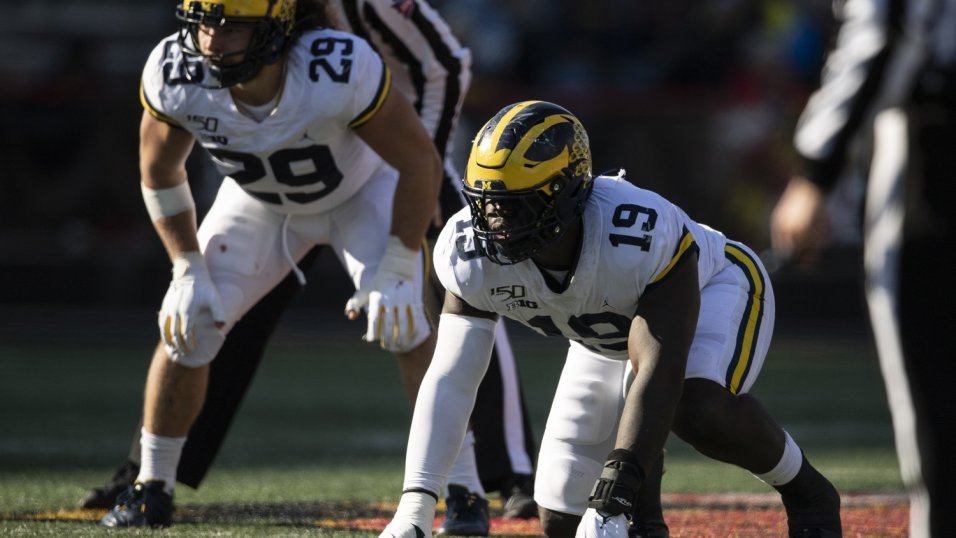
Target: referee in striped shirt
[889,87]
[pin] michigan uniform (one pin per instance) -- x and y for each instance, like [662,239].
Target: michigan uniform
[297,178]
[303,158]
[631,239]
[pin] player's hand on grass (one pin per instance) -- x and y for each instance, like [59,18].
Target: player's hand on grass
[613,496]
[595,524]
[413,517]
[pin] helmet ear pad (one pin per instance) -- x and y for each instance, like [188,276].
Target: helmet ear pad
[570,194]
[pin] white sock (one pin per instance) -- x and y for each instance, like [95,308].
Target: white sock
[464,472]
[160,457]
[788,467]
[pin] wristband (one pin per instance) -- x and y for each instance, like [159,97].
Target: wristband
[162,203]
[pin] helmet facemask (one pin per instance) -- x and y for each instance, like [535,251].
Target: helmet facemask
[512,225]
[269,40]
[527,180]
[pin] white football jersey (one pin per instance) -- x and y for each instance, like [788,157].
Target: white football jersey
[632,239]
[304,157]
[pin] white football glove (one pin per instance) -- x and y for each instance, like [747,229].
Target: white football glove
[396,313]
[190,292]
[413,517]
[595,525]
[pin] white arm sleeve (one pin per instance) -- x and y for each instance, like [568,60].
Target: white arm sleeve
[446,398]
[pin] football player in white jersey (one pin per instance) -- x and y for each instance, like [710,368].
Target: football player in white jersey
[668,323]
[316,149]
[431,68]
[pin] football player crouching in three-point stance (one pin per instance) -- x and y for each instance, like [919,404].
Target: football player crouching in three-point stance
[668,323]
[316,150]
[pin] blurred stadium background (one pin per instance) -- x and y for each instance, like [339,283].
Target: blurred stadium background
[695,100]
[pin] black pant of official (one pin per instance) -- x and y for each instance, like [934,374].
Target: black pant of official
[916,341]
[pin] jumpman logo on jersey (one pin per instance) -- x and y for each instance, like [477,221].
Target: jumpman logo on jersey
[606,304]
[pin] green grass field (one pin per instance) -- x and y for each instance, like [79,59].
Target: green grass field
[326,422]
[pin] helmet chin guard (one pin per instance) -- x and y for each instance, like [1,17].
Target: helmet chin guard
[528,177]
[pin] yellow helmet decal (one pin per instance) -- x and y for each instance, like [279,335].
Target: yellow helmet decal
[281,9]
[496,165]
[486,150]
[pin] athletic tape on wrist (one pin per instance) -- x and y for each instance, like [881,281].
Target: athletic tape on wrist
[162,203]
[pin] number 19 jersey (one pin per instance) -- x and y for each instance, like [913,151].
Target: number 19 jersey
[632,238]
[305,156]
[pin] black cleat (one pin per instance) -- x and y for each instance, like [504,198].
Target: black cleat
[648,529]
[519,503]
[105,497]
[466,513]
[813,505]
[141,505]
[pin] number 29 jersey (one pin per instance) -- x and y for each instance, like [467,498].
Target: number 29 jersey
[304,157]
[632,238]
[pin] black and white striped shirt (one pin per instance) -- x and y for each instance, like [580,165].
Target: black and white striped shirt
[430,67]
[883,48]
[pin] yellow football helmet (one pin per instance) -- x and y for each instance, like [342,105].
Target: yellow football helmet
[530,171]
[272,22]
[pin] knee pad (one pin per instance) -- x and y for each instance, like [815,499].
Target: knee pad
[564,481]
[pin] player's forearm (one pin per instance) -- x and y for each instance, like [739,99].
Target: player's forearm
[438,428]
[651,401]
[163,150]
[415,198]
[658,344]
[178,233]
[446,398]
[172,210]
